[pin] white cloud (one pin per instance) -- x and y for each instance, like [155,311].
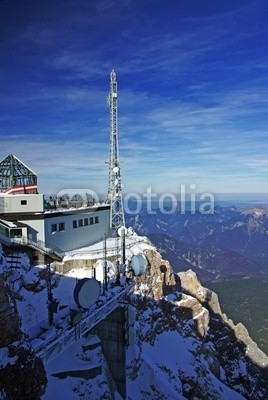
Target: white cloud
[191,104]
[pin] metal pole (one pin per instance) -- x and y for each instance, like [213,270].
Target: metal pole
[123,246]
[105,265]
[49,296]
[117,281]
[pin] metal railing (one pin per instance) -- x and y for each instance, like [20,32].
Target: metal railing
[39,245]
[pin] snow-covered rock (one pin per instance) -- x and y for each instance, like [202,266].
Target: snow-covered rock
[185,347]
[22,374]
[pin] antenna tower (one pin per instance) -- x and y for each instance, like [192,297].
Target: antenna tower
[117,218]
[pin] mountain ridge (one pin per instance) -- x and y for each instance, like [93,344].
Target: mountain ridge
[229,241]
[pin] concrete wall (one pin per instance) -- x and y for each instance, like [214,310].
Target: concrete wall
[60,231]
[36,230]
[21,203]
[111,332]
[66,266]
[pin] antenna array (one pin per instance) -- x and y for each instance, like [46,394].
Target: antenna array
[117,218]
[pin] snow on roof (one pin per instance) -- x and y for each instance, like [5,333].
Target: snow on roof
[134,245]
[8,223]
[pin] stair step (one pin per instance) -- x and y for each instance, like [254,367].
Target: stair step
[18,257]
[13,260]
[84,373]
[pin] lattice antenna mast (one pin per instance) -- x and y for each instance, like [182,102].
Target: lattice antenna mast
[117,218]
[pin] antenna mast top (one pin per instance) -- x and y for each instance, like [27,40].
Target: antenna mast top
[117,219]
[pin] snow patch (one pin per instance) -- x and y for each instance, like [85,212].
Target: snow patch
[5,359]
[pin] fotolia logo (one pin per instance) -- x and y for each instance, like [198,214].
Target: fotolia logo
[75,198]
[186,200]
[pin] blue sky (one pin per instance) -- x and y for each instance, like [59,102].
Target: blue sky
[193,92]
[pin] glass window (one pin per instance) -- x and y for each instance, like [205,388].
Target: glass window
[74,224]
[91,221]
[96,220]
[23,202]
[85,221]
[80,222]
[53,228]
[16,233]
[61,226]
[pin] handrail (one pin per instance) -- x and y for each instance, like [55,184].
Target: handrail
[5,239]
[39,245]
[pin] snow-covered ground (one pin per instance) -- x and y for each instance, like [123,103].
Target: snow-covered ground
[170,359]
[92,383]
[30,285]
[165,362]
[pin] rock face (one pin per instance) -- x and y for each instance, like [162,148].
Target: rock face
[190,284]
[159,279]
[9,318]
[23,379]
[22,374]
[186,348]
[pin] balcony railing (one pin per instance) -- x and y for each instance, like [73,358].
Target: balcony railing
[39,245]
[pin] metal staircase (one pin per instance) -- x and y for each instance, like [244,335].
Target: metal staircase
[13,259]
[55,254]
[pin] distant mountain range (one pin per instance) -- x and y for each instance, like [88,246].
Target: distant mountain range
[231,241]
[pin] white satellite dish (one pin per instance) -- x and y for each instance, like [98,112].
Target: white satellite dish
[138,264]
[116,170]
[86,292]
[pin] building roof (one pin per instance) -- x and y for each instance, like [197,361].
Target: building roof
[15,174]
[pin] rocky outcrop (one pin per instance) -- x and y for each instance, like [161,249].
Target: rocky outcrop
[176,315]
[22,374]
[190,284]
[9,318]
[159,279]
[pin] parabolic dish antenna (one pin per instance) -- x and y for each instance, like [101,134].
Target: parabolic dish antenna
[109,264]
[86,292]
[116,170]
[138,264]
